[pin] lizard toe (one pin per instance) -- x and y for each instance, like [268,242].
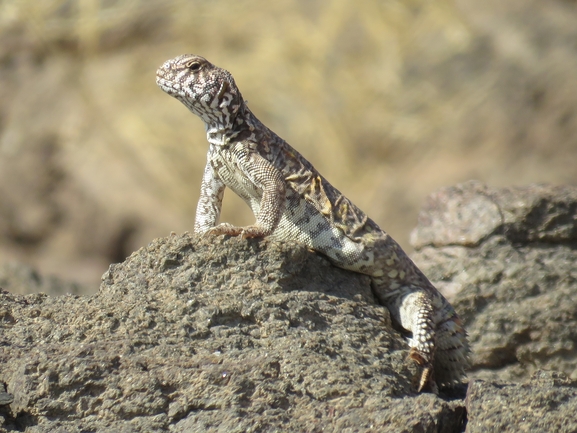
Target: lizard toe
[426,379]
[225,229]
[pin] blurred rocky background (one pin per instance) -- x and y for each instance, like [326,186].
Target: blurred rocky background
[389,99]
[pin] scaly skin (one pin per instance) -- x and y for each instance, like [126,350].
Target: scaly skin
[292,201]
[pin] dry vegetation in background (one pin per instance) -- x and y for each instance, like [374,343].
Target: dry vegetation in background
[389,99]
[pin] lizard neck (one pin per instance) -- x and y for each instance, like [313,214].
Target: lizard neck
[227,127]
[219,135]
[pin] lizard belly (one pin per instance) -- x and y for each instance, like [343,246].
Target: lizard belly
[302,222]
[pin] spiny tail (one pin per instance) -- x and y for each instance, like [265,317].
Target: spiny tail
[452,347]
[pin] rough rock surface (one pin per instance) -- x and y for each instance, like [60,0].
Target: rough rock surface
[545,403]
[506,258]
[223,335]
[219,335]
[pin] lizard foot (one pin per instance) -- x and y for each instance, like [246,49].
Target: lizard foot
[252,231]
[426,380]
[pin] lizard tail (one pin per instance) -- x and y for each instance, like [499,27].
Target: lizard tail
[452,354]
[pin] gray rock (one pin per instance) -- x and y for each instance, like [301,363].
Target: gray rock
[219,335]
[506,259]
[545,403]
[470,213]
[213,335]
[511,276]
[24,279]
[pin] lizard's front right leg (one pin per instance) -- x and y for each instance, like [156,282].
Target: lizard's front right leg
[265,177]
[210,201]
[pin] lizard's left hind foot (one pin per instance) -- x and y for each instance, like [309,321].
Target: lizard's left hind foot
[426,380]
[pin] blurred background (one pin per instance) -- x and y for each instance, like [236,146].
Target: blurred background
[389,99]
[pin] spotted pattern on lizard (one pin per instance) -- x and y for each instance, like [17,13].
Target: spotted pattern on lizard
[292,201]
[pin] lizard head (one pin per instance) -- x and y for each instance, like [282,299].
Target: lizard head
[207,90]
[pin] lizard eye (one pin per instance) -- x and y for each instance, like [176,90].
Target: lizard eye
[193,65]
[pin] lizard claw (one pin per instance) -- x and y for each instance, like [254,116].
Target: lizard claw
[427,380]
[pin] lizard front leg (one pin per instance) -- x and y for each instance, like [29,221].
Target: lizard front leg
[269,180]
[210,201]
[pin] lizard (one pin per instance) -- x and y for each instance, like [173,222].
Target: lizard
[292,201]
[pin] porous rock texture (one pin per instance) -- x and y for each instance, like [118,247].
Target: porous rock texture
[545,403]
[230,335]
[213,335]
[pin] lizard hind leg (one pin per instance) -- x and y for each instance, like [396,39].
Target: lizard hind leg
[412,309]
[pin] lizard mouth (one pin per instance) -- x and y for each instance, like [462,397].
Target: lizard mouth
[165,80]
[166,85]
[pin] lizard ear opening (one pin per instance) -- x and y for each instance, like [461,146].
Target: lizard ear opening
[222,90]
